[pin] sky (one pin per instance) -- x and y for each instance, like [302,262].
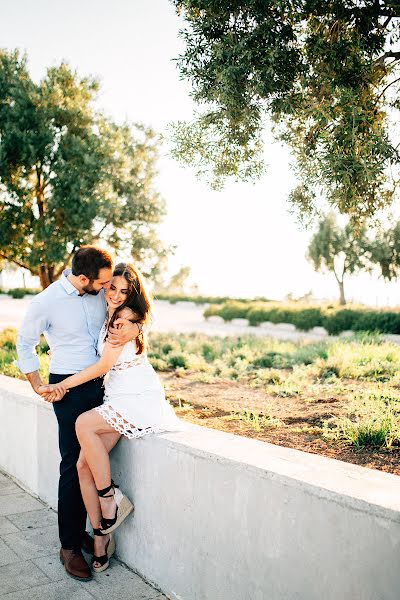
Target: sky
[240,241]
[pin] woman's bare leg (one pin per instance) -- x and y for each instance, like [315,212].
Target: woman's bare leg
[90,426]
[87,484]
[89,492]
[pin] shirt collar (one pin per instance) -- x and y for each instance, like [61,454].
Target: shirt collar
[67,285]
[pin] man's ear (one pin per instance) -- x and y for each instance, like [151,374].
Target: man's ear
[83,280]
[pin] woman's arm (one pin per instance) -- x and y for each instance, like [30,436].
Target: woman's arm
[107,360]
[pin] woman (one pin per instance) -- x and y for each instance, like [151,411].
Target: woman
[134,406]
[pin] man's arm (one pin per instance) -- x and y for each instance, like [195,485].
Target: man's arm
[33,325]
[123,332]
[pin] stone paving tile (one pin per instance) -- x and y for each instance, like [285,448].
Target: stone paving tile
[52,567]
[20,576]
[33,543]
[18,503]
[34,519]
[9,487]
[6,526]
[30,567]
[116,582]
[60,590]
[119,582]
[7,555]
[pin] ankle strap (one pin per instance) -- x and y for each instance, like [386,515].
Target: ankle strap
[102,493]
[98,532]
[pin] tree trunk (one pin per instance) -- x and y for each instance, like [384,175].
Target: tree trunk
[342,300]
[44,276]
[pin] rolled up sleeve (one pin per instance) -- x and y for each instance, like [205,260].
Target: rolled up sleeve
[34,324]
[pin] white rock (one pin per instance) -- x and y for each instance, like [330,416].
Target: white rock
[215,319]
[347,333]
[286,326]
[319,330]
[244,322]
[392,337]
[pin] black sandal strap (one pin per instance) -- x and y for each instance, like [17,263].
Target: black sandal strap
[102,493]
[107,523]
[98,532]
[104,558]
[99,559]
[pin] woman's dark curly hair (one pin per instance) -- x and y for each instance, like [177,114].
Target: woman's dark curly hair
[137,299]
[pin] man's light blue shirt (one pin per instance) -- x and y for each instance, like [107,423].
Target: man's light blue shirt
[70,323]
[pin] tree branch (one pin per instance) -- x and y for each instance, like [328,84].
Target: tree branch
[61,269]
[386,23]
[389,54]
[388,86]
[101,230]
[20,264]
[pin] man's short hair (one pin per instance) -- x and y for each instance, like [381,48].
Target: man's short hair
[88,261]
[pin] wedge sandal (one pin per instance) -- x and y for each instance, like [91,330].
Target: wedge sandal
[103,561]
[123,509]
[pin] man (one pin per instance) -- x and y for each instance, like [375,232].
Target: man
[70,313]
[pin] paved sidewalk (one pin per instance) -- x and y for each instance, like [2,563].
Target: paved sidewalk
[30,568]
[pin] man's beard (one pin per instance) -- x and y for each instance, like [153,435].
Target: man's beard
[89,290]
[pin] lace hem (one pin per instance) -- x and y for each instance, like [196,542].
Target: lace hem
[127,364]
[122,425]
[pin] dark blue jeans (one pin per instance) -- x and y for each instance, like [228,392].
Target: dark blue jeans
[71,510]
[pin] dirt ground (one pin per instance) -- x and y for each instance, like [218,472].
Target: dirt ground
[212,405]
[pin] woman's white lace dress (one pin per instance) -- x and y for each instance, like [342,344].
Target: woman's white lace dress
[134,398]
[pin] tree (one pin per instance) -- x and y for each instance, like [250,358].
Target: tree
[339,251]
[176,284]
[325,71]
[68,175]
[385,251]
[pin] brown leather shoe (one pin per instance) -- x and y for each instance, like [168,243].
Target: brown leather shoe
[75,564]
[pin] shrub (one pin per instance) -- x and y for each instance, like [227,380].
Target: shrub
[173,298]
[21,292]
[234,310]
[8,339]
[278,360]
[303,317]
[176,360]
[17,293]
[376,432]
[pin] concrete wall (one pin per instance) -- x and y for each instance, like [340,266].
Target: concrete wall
[219,517]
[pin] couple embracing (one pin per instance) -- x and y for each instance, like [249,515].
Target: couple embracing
[102,387]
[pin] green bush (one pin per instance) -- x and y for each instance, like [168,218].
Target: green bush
[17,293]
[234,310]
[277,360]
[176,360]
[21,292]
[304,318]
[8,339]
[174,298]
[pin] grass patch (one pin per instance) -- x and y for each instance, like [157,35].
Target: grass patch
[349,388]
[256,421]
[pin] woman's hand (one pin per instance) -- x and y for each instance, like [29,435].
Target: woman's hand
[52,392]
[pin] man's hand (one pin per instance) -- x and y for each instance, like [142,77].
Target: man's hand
[52,392]
[123,331]
[36,382]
